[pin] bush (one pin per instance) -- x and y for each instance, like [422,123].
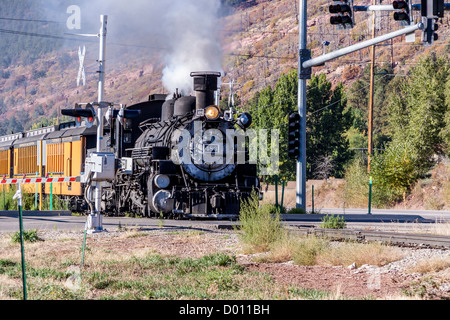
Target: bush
[394,173]
[356,186]
[273,209]
[259,226]
[58,204]
[307,251]
[28,235]
[7,202]
[333,222]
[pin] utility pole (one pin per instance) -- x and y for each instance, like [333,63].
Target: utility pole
[372,71]
[304,54]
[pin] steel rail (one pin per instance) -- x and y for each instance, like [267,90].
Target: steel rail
[392,238]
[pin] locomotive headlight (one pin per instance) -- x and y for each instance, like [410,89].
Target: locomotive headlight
[162,181]
[212,113]
[244,120]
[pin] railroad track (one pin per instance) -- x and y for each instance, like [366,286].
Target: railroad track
[391,238]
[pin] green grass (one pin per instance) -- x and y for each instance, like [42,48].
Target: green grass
[211,277]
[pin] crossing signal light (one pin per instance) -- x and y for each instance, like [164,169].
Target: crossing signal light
[88,113]
[404,14]
[435,9]
[438,8]
[429,34]
[430,11]
[343,13]
[294,135]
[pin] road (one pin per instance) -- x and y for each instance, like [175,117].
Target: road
[64,221]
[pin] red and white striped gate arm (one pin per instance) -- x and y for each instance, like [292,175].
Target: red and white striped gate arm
[25,180]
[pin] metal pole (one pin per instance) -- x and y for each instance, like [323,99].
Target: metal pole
[372,71]
[18,196]
[4,198]
[276,191]
[36,193]
[84,244]
[51,193]
[301,161]
[282,195]
[370,196]
[101,60]
[358,46]
[386,7]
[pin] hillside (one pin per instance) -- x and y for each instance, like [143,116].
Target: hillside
[259,43]
[262,43]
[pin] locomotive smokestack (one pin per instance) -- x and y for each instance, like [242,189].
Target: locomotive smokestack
[205,84]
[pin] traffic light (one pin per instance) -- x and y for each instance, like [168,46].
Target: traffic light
[436,9]
[430,11]
[88,113]
[429,34]
[343,13]
[404,14]
[294,135]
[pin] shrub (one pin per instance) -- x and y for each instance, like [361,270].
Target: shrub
[356,186]
[305,253]
[28,235]
[58,204]
[273,209]
[259,227]
[394,172]
[333,222]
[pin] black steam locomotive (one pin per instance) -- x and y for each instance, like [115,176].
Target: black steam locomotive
[180,158]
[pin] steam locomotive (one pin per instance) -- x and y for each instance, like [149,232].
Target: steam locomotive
[181,157]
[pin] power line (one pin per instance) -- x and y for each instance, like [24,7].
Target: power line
[249,56]
[30,20]
[338,101]
[55,37]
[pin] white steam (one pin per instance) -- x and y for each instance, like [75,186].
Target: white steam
[183,32]
[192,40]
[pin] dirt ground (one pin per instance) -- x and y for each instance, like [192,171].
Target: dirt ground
[341,281]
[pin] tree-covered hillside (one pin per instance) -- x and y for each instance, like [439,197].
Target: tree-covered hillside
[25,32]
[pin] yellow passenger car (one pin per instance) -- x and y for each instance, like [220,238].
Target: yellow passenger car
[56,151]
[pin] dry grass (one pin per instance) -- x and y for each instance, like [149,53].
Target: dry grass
[345,254]
[438,228]
[442,229]
[431,265]
[316,251]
